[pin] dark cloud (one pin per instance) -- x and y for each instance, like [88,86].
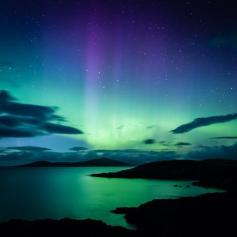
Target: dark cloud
[29,120]
[18,132]
[214,152]
[227,137]
[149,141]
[10,121]
[9,106]
[14,121]
[78,148]
[201,122]
[183,144]
[28,148]
[5,97]
[58,128]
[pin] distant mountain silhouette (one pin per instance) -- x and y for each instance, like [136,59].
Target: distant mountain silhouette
[90,163]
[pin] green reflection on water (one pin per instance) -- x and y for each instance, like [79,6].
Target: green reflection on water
[33,193]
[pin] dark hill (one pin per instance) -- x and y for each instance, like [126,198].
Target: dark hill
[215,173]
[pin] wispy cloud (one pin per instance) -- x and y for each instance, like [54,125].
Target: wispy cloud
[206,121]
[223,138]
[183,144]
[78,148]
[28,148]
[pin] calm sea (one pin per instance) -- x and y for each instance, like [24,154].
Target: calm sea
[33,193]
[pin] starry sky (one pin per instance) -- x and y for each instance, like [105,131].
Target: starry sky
[145,75]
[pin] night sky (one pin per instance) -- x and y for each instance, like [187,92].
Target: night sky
[144,75]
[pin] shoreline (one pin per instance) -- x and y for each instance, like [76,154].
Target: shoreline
[203,215]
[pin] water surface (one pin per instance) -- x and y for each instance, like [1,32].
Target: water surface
[32,193]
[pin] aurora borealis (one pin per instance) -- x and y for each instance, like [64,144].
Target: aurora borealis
[123,72]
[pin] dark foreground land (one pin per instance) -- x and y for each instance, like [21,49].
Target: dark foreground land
[64,227]
[206,215]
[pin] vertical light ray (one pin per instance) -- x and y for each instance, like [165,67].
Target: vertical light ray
[94,58]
